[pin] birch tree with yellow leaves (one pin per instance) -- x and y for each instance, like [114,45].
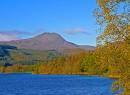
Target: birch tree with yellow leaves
[113,41]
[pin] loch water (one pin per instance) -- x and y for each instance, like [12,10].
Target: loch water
[29,84]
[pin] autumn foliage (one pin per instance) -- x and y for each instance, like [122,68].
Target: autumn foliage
[113,42]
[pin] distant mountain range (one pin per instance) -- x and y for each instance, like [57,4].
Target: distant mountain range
[46,41]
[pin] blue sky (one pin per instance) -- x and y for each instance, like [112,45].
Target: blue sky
[73,19]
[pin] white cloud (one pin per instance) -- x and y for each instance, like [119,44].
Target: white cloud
[6,37]
[76,31]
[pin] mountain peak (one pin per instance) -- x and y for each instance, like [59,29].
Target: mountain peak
[45,41]
[49,37]
[48,34]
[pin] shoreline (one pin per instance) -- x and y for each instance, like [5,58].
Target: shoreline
[81,74]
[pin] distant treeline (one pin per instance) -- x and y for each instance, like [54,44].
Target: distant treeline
[71,64]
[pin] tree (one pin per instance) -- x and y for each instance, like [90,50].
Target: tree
[115,22]
[113,42]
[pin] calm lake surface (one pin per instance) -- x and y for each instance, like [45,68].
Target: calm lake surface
[28,84]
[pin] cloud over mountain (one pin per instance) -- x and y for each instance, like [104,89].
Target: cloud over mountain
[7,37]
[77,31]
[11,35]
